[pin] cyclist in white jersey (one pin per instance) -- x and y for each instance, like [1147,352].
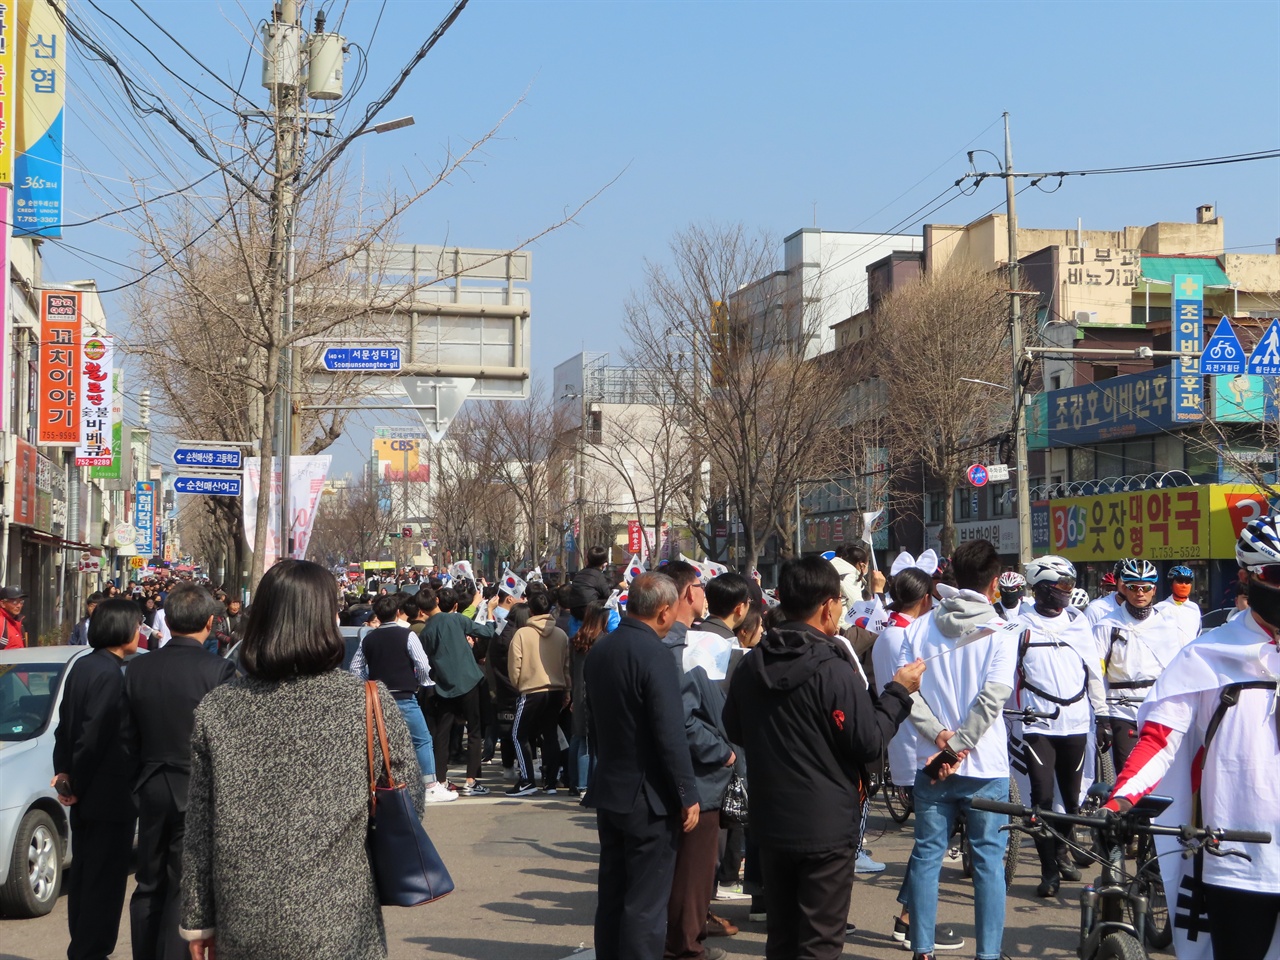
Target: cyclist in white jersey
[1179,601]
[1136,642]
[1109,599]
[1012,588]
[1058,673]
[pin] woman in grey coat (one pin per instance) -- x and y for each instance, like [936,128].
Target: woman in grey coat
[274,864]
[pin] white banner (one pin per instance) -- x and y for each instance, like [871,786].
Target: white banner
[306,479]
[95,403]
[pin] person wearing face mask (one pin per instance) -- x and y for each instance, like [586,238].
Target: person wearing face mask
[1109,599]
[1057,671]
[1179,601]
[1210,740]
[1136,642]
[1012,588]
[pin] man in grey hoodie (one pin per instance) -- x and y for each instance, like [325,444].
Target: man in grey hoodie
[958,708]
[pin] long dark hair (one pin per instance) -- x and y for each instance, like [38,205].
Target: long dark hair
[595,620]
[908,588]
[293,624]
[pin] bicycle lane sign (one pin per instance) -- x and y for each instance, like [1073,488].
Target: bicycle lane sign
[1265,359]
[1223,353]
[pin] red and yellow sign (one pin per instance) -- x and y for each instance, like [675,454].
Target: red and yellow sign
[59,391]
[1180,523]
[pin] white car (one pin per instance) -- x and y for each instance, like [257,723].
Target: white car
[35,835]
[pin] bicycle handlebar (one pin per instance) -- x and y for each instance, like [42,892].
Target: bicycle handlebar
[1028,715]
[1184,832]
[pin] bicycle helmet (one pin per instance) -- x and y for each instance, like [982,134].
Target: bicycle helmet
[1140,571]
[1050,570]
[1180,572]
[1259,543]
[1108,579]
[1011,581]
[1079,598]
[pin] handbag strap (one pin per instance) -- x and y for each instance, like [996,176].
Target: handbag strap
[373,719]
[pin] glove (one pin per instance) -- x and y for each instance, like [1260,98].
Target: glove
[1102,731]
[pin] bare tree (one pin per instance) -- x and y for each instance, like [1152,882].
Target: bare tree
[936,336]
[351,524]
[728,336]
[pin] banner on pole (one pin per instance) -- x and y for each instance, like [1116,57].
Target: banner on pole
[40,88]
[306,480]
[59,392]
[96,400]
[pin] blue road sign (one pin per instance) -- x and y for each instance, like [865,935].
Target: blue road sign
[369,359]
[1223,353]
[977,475]
[223,458]
[208,486]
[1265,359]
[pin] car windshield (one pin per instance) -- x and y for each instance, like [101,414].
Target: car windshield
[27,693]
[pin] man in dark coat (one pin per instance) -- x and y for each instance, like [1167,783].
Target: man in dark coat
[163,690]
[809,726]
[590,583]
[643,791]
[94,774]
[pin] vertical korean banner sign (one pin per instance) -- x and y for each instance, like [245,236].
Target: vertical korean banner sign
[38,143]
[306,481]
[1188,333]
[6,229]
[95,449]
[112,470]
[144,517]
[59,398]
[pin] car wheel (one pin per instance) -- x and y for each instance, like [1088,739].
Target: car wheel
[35,870]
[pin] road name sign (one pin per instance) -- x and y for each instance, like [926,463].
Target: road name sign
[219,458]
[1265,359]
[1223,353]
[209,486]
[362,359]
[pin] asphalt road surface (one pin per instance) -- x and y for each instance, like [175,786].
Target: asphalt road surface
[525,873]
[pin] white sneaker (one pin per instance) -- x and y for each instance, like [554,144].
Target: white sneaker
[438,793]
[732,892]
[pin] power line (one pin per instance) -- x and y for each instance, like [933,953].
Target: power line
[1136,168]
[196,60]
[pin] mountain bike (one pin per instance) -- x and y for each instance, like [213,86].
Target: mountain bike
[1114,910]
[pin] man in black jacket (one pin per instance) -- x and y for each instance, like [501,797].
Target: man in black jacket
[590,583]
[809,726]
[94,777]
[644,791]
[163,690]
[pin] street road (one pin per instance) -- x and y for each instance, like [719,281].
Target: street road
[525,872]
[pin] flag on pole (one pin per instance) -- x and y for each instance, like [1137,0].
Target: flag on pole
[703,573]
[634,568]
[535,575]
[461,570]
[512,585]
[715,568]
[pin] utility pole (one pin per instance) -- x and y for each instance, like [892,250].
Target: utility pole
[1021,468]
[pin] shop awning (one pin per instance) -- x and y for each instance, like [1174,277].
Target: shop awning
[1162,269]
[53,540]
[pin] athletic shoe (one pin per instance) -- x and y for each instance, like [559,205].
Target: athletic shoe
[731,892]
[944,938]
[850,929]
[715,953]
[523,788]
[866,865]
[438,794]
[473,790]
[574,792]
[550,791]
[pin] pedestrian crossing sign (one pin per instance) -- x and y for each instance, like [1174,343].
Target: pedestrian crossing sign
[1265,359]
[1223,353]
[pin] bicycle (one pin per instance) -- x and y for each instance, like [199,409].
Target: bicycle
[1114,910]
[898,800]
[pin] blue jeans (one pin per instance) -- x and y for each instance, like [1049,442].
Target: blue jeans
[937,805]
[581,762]
[421,736]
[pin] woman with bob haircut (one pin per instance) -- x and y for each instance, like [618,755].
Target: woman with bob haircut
[274,864]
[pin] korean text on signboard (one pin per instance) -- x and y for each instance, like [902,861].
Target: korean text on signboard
[1188,335]
[95,449]
[1112,409]
[144,516]
[59,375]
[111,471]
[1101,267]
[8,86]
[38,144]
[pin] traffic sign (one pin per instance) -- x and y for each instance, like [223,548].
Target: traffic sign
[1265,359]
[438,400]
[997,472]
[977,475]
[367,359]
[217,458]
[1223,353]
[210,486]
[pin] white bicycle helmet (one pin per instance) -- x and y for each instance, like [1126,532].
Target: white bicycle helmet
[1050,570]
[1141,571]
[1259,543]
[1011,582]
[1079,598]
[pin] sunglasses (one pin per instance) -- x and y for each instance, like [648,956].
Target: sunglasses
[1266,572]
[1140,587]
[1064,585]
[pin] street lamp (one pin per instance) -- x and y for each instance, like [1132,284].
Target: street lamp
[987,383]
[389,125]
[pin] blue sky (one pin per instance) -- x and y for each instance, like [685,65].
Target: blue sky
[743,111]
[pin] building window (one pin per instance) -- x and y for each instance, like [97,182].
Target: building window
[595,427]
[1000,500]
[937,507]
[964,504]
[1055,382]
[1103,371]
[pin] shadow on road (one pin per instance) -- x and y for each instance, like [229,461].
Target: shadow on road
[473,949]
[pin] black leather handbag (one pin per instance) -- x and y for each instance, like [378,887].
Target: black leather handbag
[406,866]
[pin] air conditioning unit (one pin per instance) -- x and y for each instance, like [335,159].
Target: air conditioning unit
[1085,316]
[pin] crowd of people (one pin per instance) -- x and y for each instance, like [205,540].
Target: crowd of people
[727,738]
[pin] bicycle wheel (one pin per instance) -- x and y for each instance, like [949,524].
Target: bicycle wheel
[898,800]
[1013,849]
[1159,929]
[1120,946]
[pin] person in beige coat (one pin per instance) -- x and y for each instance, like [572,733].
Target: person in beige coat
[538,664]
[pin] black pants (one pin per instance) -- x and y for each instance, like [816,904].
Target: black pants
[154,910]
[1124,737]
[96,885]
[637,863]
[807,899]
[1054,759]
[731,844]
[538,719]
[1241,923]
[448,711]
